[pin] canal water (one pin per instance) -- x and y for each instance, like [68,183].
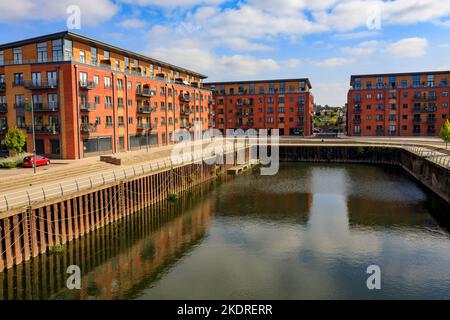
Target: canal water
[310,232]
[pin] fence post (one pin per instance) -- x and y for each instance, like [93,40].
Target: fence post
[7,204]
[62,191]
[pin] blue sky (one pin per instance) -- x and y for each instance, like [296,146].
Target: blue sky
[325,40]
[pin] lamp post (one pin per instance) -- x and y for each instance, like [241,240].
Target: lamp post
[33,134]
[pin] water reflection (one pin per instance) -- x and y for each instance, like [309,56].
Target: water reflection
[308,232]
[116,260]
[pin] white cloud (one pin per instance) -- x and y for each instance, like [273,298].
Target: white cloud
[292,63]
[364,48]
[408,48]
[133,23]
[49,10]
[173,3]
[240,44]
[334,62]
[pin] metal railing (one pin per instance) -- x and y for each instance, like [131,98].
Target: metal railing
[45,192]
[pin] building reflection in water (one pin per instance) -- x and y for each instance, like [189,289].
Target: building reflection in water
[119,259]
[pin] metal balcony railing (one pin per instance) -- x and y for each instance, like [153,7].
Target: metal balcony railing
[146,110]
[145,92]
[2,86]
[88,106]
[40,85]
[44,129]
[45,107]
[3,107]
[88,128]
[87,85]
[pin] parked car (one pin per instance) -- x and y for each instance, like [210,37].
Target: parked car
[40,161]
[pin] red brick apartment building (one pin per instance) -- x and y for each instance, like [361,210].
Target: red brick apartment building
[398,104]
[91,98]
[287,105]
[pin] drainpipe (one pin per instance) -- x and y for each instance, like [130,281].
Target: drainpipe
[114,114]
[126,110]
[58,74]
[78,112]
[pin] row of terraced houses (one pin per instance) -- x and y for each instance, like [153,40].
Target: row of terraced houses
[91,98]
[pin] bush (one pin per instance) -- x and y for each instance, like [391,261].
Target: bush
[172,197]
[14,140]
[12,162]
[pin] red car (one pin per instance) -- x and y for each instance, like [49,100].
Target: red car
[40,161]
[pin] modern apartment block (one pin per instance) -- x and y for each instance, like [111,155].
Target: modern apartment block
[91,98]
[398,104]
[287,105]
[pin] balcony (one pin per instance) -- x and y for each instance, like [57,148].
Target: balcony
[185,98]
[431,108]
[87,85]
[186,125]
[146,110]
[40,85]
[431,133]
[357,120]
[424,98]
[300,103]
[108,105]
[417,120]
[45,107]
[18,83]
[19,105]
[2,86]
[185,113]
[3,107]
[431,120]
[416,133]
[145,92]
[357,110]
[44,129]
[3,128]
[88,128]
[88,106]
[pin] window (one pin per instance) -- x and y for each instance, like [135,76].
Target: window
[36,78]
[130,120]
[96,80]
[368,85]
[108,101]
[405,106]
[98,120]
[357,83]
[42,52]
[357,129]
[2,62]
[269,100]
[106,55]
[18,79]
[93,55]
[416,80]
[281,110]
[82,56]
[392,83]
[127,62]
[430,80]
[107,81]
[392,117]
[97,100]
[57,49]
[271,87]
[67,49]
[121,121]
[405,117]
[280,99]
[404,83]
[252,88]
[136,63]
[17,55]
[379,117]
[369,96]
[119,84]
[83,78]
[270,110]
[445,94]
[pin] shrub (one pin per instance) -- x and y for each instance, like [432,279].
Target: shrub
[444,134]
[14,140]
[12,162]
[172,197]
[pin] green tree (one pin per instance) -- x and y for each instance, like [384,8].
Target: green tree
[445,133]
[14,140]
